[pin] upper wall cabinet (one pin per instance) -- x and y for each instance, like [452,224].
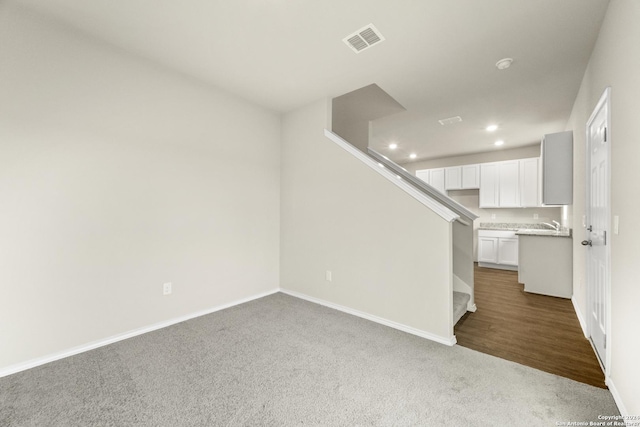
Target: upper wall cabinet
[470,176]
[452,178]
[529,183]
[433,177]
[437,179]
[506,184]
[489,186]
[510,184]
[557,168]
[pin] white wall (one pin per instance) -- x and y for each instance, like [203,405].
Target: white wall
[390,256]
[117,176]
[615,62]
[353,113]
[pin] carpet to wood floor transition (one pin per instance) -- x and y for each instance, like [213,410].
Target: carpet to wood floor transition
[535,330]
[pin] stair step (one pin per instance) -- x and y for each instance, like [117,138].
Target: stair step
[460,300]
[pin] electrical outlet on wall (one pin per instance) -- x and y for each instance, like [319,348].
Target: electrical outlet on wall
[166,288]
[327,276]
[536,216]
[493,216]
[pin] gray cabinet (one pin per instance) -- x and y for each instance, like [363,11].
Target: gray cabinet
[557,168]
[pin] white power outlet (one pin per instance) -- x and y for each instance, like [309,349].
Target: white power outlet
[493,216]
[166,288]
[327,276]
[535,216]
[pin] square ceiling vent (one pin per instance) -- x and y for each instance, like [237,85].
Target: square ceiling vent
[364,38]
[450,120]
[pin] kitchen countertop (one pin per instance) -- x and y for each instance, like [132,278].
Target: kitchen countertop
[526,229]
[565,232]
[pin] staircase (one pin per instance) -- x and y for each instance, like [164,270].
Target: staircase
[460,218]
[460,300]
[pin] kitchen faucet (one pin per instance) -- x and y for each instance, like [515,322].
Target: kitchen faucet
[555,225]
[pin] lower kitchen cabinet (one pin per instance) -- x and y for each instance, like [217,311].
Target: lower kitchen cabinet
[498,249]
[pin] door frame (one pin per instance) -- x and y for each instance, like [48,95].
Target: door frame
[605,99]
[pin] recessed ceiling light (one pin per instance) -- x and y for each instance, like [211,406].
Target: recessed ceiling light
[504,63]
[492,128]
[499,142]
[393,146]
[413,155]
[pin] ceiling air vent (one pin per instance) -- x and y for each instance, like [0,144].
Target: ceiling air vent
[364,38]
[450,120]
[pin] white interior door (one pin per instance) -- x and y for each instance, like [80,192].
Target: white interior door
[598,236]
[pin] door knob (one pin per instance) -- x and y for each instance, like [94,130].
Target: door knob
[586,243]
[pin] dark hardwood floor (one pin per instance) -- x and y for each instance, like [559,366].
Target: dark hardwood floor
[534,330]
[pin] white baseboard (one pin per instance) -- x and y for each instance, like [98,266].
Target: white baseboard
[12,369]
[583,323]
[408,329]
[616,397]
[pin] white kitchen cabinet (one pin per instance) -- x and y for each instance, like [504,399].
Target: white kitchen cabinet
[505,184]
[500,184]
[498,249]
[453,178]
[470,176]
[436,179]
[487,249]
[489,185]
[423,174]
[433,177]
[508,250]
[509,184]
[529,183]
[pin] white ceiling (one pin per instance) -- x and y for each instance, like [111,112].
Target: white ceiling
[437,60]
